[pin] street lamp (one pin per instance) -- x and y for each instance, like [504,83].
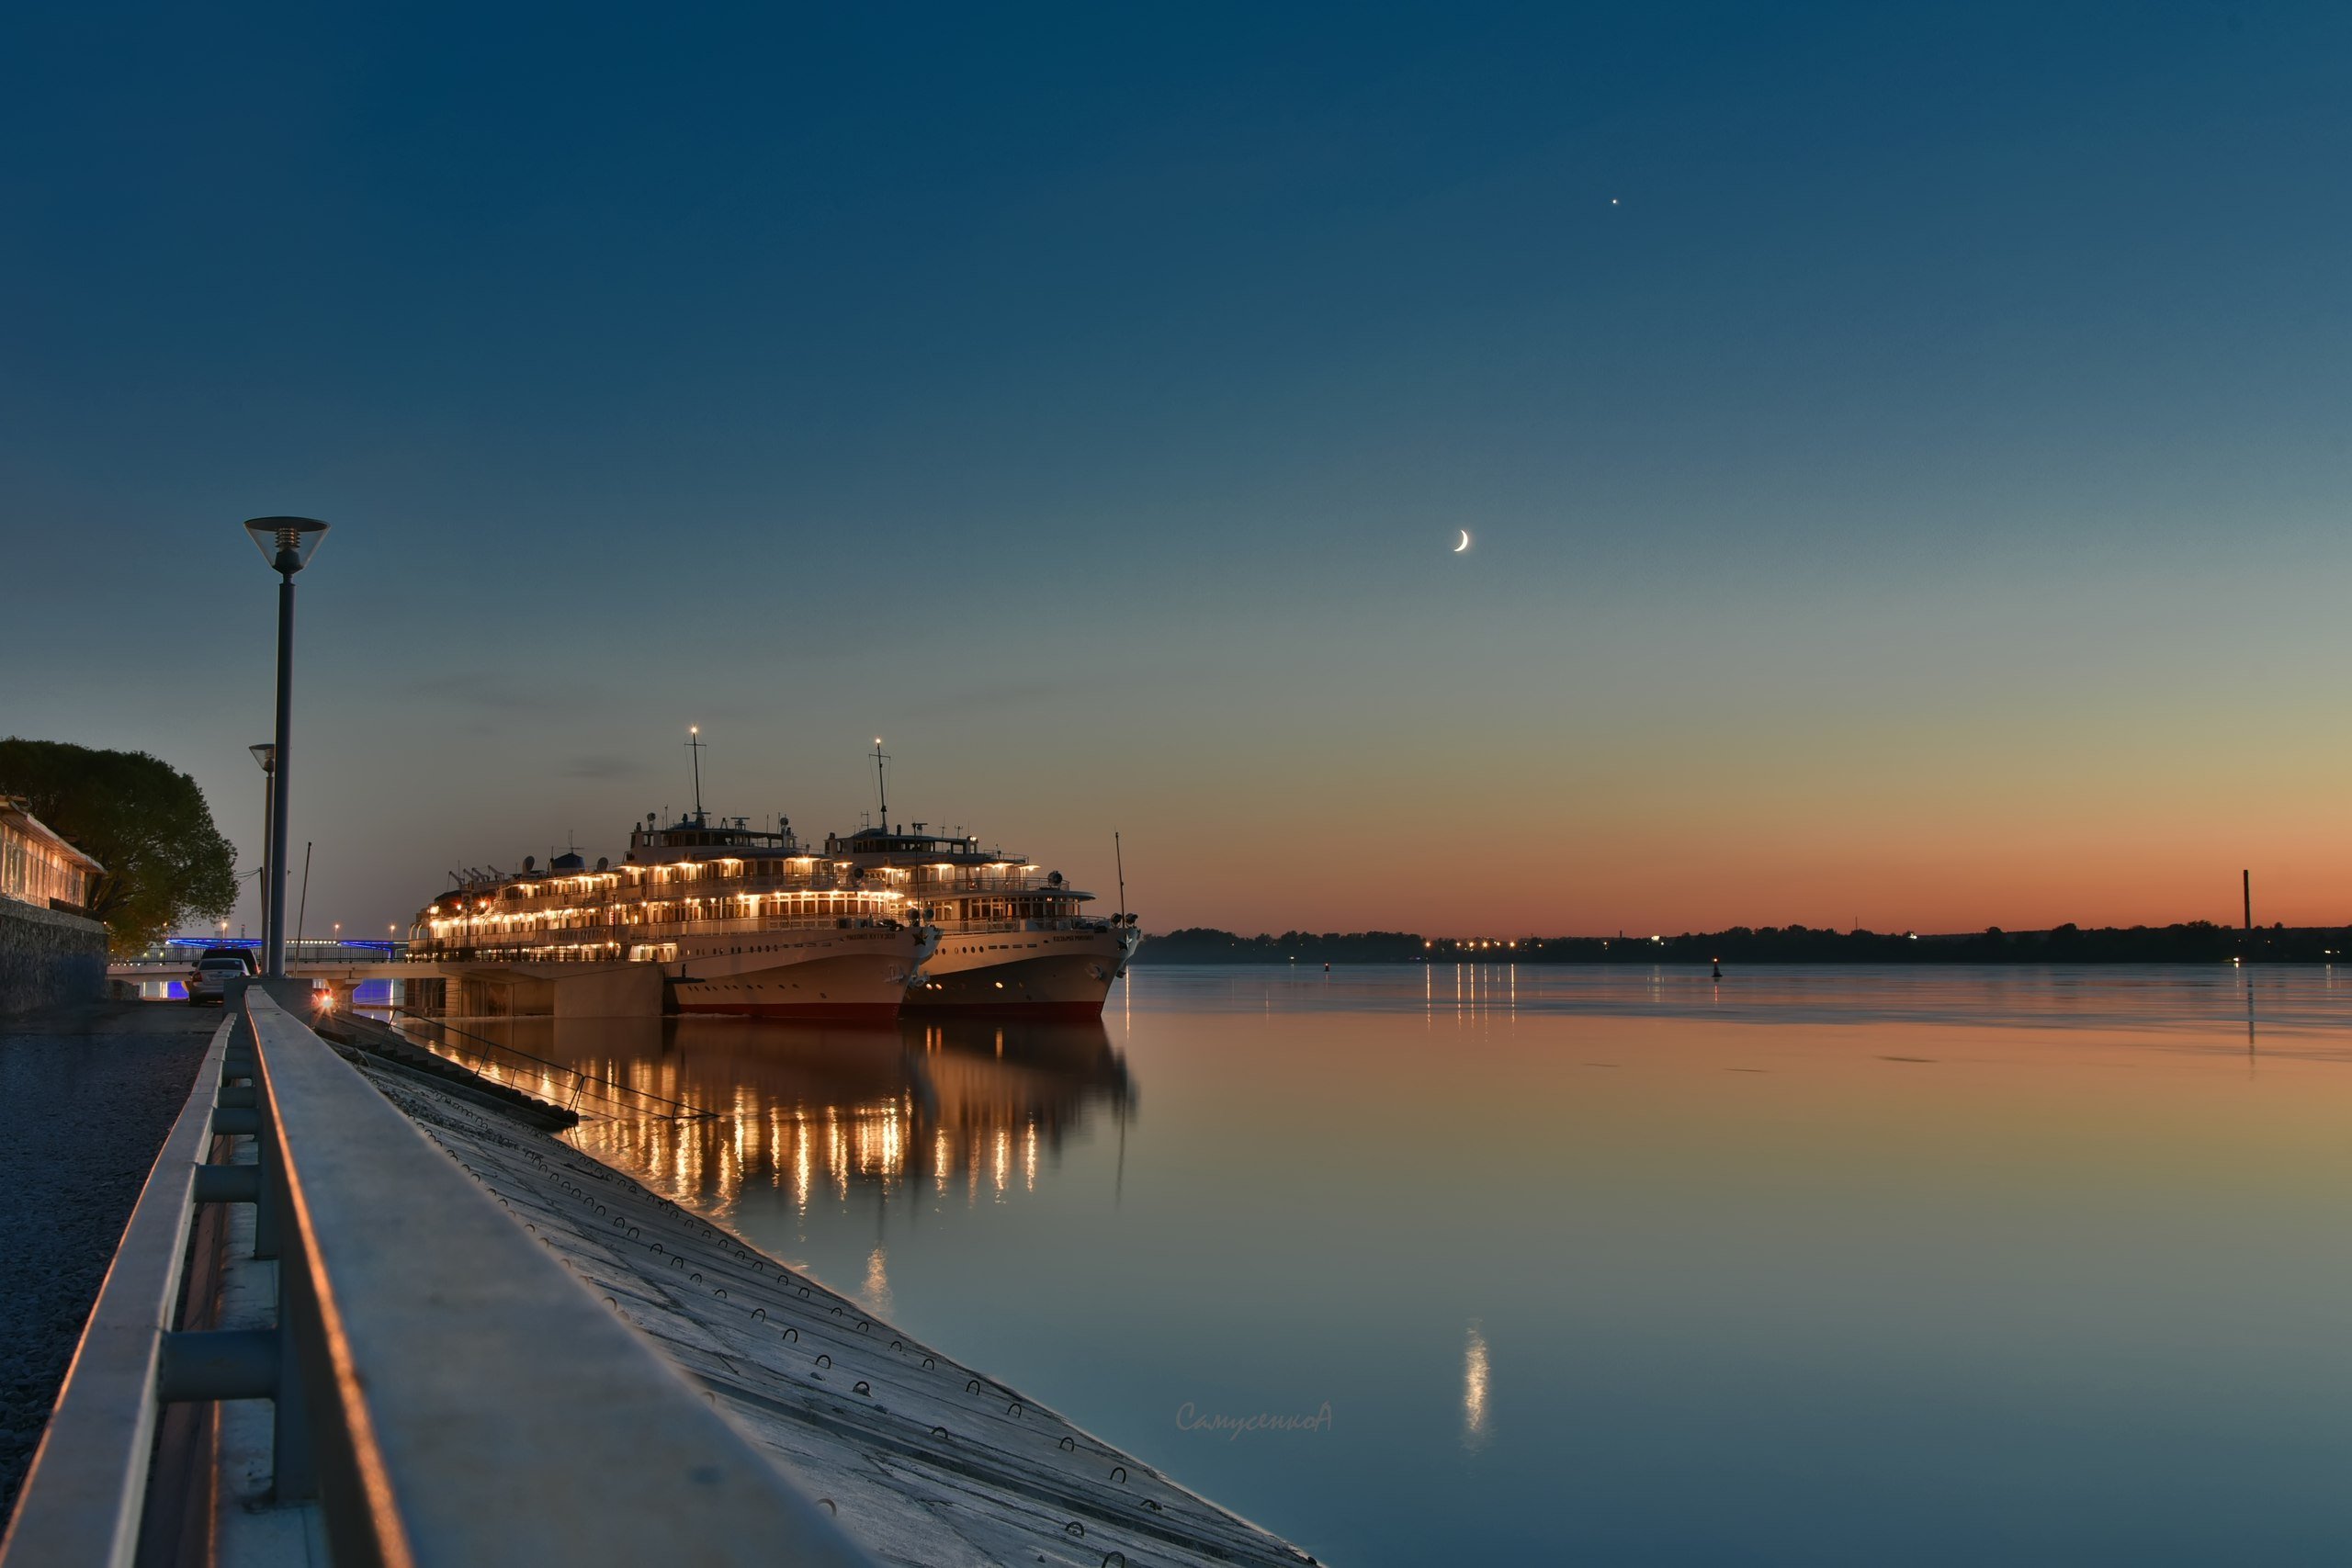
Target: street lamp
[266,755]
[285,543]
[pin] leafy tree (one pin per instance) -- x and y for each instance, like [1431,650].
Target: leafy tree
[142,819]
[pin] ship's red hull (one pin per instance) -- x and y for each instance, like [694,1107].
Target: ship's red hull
[802,1013]
[1065,1012]
[1070,985]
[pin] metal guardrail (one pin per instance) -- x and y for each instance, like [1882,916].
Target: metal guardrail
[444,1389]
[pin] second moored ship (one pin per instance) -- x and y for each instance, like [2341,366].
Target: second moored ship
[1011,939]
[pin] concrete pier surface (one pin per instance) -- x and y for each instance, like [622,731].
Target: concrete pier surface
[923,1460]
[88,1091]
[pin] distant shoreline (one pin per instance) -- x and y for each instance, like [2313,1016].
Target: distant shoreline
[2196,942]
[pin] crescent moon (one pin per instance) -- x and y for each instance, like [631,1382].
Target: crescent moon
[1464,544]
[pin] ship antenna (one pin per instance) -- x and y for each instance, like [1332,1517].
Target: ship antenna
[882,784]
[1119,855]
[694,744]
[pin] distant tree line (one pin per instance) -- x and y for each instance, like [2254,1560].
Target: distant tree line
[2194,941]
[1204,944]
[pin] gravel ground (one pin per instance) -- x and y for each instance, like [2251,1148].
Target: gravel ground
[87,1098]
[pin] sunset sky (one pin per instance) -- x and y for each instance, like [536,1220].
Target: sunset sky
[1907,454]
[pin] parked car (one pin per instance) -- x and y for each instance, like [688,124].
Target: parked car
[244,955]
[208,981]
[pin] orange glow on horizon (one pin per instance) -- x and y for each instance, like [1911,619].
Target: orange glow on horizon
[1933,866]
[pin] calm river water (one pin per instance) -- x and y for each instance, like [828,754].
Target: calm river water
[1808,1266]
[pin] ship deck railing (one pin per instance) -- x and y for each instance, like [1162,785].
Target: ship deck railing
[549,945]
[990,928]
[611,944]
[814,922]
[672,888]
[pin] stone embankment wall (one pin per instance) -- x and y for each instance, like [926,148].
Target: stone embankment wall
[47,958]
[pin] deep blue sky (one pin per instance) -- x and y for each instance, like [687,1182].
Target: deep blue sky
[1907,445]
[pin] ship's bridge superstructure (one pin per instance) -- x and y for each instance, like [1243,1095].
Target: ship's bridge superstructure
[952,882]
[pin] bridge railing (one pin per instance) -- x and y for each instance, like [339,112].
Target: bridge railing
[445,1391]
[179,957]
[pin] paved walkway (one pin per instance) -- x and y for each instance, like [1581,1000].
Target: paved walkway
[85,1098]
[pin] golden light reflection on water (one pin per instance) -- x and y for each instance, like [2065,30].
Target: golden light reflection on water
[836,1151]
[1474,1373]
[1478,989]
[817,1111]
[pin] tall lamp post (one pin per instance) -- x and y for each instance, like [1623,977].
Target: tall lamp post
[266,755]
[285,543]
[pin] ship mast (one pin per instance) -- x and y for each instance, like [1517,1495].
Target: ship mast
[881,785]
[694,745]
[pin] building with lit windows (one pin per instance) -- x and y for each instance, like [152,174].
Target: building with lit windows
[37,866]
[50,952]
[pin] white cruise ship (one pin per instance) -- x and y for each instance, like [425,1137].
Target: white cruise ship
[1013,941]
[742,920]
